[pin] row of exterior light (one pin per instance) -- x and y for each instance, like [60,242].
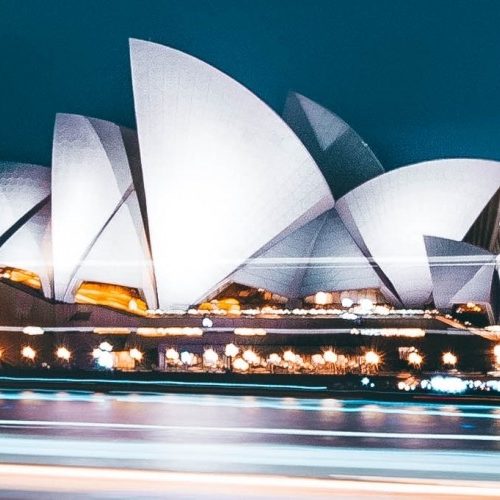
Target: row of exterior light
[242,360]
[371,358]
[29,353]
[101,353]
[389,332]
[450,385]
[448,359]
[210,357]
[364,306]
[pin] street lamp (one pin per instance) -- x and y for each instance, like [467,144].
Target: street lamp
[63,353]
[231,351]
[274,359]
[241,365]
[449,359]
[251,357]
[28,353]
[414,358]
[210,357]
[187,358]
[317,360]
[372,358]
[330,356]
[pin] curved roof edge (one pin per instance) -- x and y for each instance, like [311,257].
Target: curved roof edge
[389,215]
[193,118]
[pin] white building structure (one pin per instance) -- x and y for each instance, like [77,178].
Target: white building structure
[215,188]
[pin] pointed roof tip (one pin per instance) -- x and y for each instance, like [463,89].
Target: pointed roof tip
[136,41]
[293,94]
[302,99]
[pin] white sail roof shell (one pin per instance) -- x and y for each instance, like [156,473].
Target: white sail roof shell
[223,174]
[29,248]
[389,215]
[22,187]
[91,179]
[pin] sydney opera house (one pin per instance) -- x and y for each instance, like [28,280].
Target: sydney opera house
[217,202]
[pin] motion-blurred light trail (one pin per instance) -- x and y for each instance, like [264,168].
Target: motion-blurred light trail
[295,437]
[78,479]
[167,383]
[248,430]
[281,404]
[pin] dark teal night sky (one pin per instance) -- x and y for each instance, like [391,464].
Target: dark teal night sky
[416,79]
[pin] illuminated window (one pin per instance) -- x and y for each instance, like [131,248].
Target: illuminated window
[21,276]
[115,296]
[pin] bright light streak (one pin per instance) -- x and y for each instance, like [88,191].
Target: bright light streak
[360,406]
[33,330]
[278,431]
[112,330]
[137,481]
[171,383]
[249,332]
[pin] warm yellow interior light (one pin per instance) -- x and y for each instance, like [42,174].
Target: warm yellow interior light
[115,296]
[22,276]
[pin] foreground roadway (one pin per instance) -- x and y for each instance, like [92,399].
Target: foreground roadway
[88,445]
